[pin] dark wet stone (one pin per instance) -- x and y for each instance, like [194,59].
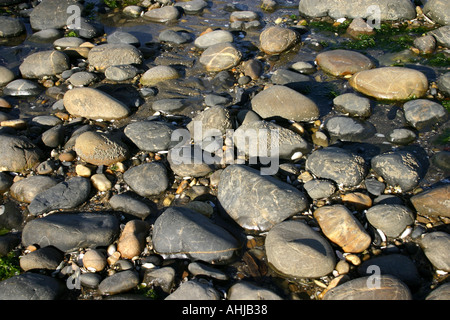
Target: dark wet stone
[119,282]
[22,87]
[296,250]
[214,37]
[352,104]
[72,231]
[392,219]
[44,63]
[152,136]
[31,286]
[192,7]
[11,27]
[182,232]
[257,202]
[398,168]
[46,36]
[25,190]
[349,129]
[123,37]
[160,277]
[47,258]
[128,204]
[90,280]
[400,266]
[318,188]
[383,287]
[339,165]
[374,186]
[52,14]
[148,179]
[175,37]
[8,242]
[190,161]
[422,113]
[194,290]
[203,269]
[244,290]
[442,160]
[65,195]
[401,136]
[5,182]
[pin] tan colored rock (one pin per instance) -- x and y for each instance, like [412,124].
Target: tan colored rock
[343,62]
[358,200]
[221,56]
[390,83]
[94,104]
[276,39]
[94,260]
[341,227]
[101,182]
[100,149]
[132,240]
[157,74]
[433,202]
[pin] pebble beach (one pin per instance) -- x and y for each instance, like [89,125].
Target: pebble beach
[112,189]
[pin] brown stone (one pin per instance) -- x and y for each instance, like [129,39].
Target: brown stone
[94,260]
[433,202]
[341,227]
[221,56]
[133,239]
[276,39]
[358,200]
[343,62]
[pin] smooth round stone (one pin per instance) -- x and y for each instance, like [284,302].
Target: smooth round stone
[383,287]
[422,113]
[392,219]
[119,282]
[64,195]
[100,149]
[440,293]
[189,161]
[90,280]
[94,104]
[319,189]
[22,87]
[276,39]
[148,179]
[106,55]
[390,10]
[46,121]
[68,42]
[26,189]
[397,265]
[295,250]
[349,129]
[123,37]
[438,11]
[221,56]
[289,78]
[339,165]
[214,37]
[47,258]
[31,286]
[283,102]
[53,14]
[162,277]
[426,44]
[11,27]
[398,168]
[436,246]
[128,204]
[18,154]
[44,63]
[194,290]
[181,232]
[133,11]
[216,118]
[94,260]
[175,37]
[433,202]
[244,290]
[6,76]
[390,83]
[353,105]
[152,136]
[257,202]
[342,228]
[343,62]
[263,135]
[71,231]
[101,182]
[168,105]
[83,78]
[401,136]
[157,74]
[303,67]
[164,14]
[192,7]
[121,73]
[359,27]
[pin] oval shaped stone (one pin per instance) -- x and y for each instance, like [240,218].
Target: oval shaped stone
[340,226]
[392,219]
[284,102]
[22,87]
[164,14]
[221,56]
[26,189]
[181,232]
[214,37]
[434,202]
[106,55]
[390,83]
[257,202]
[44,63]
[343,62]
[337,164]
[94,104]
[296,250]
[18,154]
[31,286]
[147,179]
[436,246]
[152,136]
[423,113]
[276,39]
[157,74]
[119,282]
[72,231]
[100,149]
[383,287]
